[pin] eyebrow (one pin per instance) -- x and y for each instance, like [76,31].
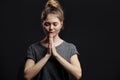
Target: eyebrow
[50,22]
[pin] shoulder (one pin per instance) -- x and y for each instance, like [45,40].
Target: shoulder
[69,43]
[35,44]
[72,48]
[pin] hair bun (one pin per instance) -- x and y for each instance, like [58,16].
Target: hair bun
[52,7]
[53,3]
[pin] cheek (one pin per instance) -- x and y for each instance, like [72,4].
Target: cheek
[45,28]
[58,30]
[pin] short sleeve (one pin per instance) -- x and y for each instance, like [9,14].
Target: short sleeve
[30,53]
[74,50]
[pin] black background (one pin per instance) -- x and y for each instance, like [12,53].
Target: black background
[92,25]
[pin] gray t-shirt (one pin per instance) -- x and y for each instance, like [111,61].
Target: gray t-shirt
[52,70]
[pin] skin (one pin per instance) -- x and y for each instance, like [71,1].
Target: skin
[52,26]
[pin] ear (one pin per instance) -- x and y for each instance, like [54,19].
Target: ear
[61,22]
[62,25]
[42,23]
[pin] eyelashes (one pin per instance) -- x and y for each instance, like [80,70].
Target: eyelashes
[55,23]
[48,23]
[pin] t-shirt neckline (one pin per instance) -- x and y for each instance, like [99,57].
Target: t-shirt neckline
[55,46]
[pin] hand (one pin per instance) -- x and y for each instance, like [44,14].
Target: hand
[51,46]
[49,53]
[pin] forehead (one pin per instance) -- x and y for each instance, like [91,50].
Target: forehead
[52,18]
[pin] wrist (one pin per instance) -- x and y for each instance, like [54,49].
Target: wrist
[56,55]
[47,55]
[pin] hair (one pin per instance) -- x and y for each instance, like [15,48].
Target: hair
[52,7]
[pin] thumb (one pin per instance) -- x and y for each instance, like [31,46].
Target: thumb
[50,39]
[50,35]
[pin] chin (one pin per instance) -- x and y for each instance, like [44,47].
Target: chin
[54,34]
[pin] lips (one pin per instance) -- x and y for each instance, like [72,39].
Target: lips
[51,31]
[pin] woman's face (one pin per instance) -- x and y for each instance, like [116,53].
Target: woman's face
[52,25]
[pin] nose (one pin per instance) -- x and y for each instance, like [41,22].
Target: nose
[51,27]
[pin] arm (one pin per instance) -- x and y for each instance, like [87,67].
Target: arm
[73,67]
[32,69]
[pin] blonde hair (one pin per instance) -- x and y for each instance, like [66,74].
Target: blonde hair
[52,7]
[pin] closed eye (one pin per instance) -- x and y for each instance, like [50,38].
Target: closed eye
[55,23]
[47,24]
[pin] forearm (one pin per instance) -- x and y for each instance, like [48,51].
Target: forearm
[35,69]
[75,71]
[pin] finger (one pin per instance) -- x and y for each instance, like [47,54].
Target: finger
[50,39]
[49,47]
[49,51]
[50,35]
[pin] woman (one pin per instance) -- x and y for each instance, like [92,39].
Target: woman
[52,58]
